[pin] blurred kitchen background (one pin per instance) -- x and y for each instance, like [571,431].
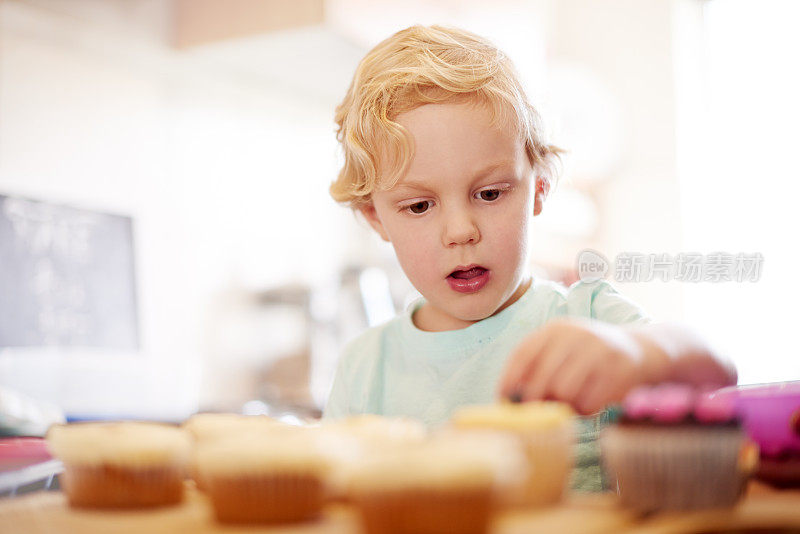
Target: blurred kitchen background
[168,245]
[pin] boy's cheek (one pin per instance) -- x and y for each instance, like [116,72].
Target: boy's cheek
[510,237]
[417,257]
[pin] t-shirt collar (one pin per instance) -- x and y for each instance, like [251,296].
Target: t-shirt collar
[480,332]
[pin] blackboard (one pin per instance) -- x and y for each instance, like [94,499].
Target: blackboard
[66,277]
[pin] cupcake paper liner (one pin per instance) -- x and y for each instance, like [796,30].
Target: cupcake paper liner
[675,468]
[265,498]
[112,486]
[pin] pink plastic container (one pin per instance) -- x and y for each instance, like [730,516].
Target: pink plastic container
[771,415]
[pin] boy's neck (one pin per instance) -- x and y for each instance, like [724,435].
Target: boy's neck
[431,319]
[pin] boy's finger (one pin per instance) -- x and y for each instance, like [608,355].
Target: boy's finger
[517,365]
[534,383]
[597,392]
[550,364]
[572,378]
[593,402]
[611,385]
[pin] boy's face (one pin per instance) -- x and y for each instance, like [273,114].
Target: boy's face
[458,219]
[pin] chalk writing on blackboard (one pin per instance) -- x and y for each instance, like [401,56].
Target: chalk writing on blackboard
[66,277]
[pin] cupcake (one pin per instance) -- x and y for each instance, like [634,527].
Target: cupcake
[126,464]
[352,440]
[205,428]
[266,477]
[502,452]
[208,426]
[387,431]
[676,449]
[424,490]
[546,432]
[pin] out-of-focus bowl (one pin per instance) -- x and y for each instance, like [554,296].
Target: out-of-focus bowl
[770,414]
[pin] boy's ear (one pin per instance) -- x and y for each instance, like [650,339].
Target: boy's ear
[371,215]
[541,191]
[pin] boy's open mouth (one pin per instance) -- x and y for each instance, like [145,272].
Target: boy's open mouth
[472,272]
[468,279]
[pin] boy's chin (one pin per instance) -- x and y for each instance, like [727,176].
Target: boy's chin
[476,311]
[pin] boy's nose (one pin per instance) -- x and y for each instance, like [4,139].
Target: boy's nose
[460,229]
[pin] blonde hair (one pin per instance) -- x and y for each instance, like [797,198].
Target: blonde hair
[417,66]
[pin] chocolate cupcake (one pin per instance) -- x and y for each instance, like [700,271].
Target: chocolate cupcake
[676,449]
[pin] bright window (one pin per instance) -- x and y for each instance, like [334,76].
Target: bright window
[741,180]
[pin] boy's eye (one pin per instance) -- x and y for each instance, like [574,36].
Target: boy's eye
[489,194]
[418,207]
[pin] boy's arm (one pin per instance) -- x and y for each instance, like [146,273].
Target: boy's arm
[672,352]
[590,363]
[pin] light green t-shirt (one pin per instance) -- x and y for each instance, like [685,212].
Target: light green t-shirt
[396,369]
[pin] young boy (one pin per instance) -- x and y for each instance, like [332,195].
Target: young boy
[445,159]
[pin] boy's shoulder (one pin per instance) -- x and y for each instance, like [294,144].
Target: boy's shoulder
[366,347]
[596,299]
[581,289]
[546,289]
[601,300]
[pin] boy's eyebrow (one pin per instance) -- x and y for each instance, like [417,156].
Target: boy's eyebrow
[477,176]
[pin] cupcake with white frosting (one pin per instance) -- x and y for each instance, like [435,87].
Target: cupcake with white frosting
[425,489]
[504,453]
[209,426]
[270,477]
[546,432]
[205,428]
[126,464]
[350,441]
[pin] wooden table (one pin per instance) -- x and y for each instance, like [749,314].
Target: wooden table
[47,512]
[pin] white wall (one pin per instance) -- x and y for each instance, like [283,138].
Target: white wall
[740,178]
[226,180]
[624,47]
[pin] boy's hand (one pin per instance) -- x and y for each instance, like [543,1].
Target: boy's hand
[587,364]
